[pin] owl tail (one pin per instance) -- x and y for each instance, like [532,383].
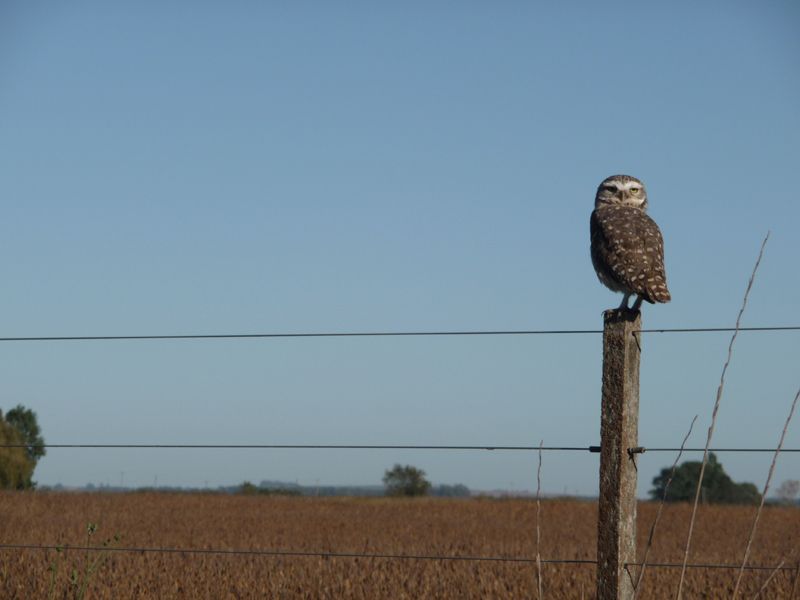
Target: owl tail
[658,292]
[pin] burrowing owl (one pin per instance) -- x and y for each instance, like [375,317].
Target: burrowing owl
[627,248]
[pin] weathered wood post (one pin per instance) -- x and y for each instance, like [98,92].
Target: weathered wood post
[616,536]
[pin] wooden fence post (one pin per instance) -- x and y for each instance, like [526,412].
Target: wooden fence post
[616,535]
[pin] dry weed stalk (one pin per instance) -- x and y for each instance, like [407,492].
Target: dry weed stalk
[763,498]
[538,527]
[714,417]
[636,587]
[772,574]
[775,571]
[794,583]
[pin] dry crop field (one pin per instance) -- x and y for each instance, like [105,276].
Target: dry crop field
[472,527]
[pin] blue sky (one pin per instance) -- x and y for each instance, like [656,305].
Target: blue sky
[296,167]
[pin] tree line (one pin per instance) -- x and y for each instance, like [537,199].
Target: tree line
[717,488]
[22,445]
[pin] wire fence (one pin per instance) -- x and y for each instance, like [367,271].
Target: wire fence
[428,447]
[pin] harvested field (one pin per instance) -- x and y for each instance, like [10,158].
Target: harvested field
[475,527]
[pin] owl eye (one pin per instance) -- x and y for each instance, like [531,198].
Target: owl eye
[635,190]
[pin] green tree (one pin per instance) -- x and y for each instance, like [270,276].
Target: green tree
[248,488]
[717,486]
[24,420]
[405,481]
[19,426]
[16,468]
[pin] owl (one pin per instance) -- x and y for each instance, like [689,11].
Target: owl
[627,248]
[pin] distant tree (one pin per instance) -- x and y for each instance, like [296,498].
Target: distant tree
[451,491]
[16,468]
[248,488]
[787,491]
[717,486]
[406,481]
[24,420]
[19,426]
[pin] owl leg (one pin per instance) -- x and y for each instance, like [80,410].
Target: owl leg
[624,305]
[637,304]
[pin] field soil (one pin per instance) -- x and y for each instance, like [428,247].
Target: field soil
[503,528]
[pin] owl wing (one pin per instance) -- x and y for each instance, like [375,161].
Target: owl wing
[628,249]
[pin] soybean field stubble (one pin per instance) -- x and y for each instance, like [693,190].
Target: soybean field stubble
[431,526]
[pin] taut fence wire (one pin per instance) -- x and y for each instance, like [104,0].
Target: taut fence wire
[465,448]
[356,555]
[342,334]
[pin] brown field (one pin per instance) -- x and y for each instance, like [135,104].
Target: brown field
[381,526]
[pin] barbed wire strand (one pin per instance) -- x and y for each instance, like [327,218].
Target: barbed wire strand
[340,334]
[355,555]
[287,553]
[714,412]
[593,449]
[490,448]
[720,449]
[663,565]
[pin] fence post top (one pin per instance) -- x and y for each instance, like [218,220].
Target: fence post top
[616,315]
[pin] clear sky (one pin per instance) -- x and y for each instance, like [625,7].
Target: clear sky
[209,167]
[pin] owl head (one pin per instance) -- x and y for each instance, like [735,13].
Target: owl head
[621,190]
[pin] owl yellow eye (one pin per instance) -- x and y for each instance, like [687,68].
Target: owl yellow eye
[635,190]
